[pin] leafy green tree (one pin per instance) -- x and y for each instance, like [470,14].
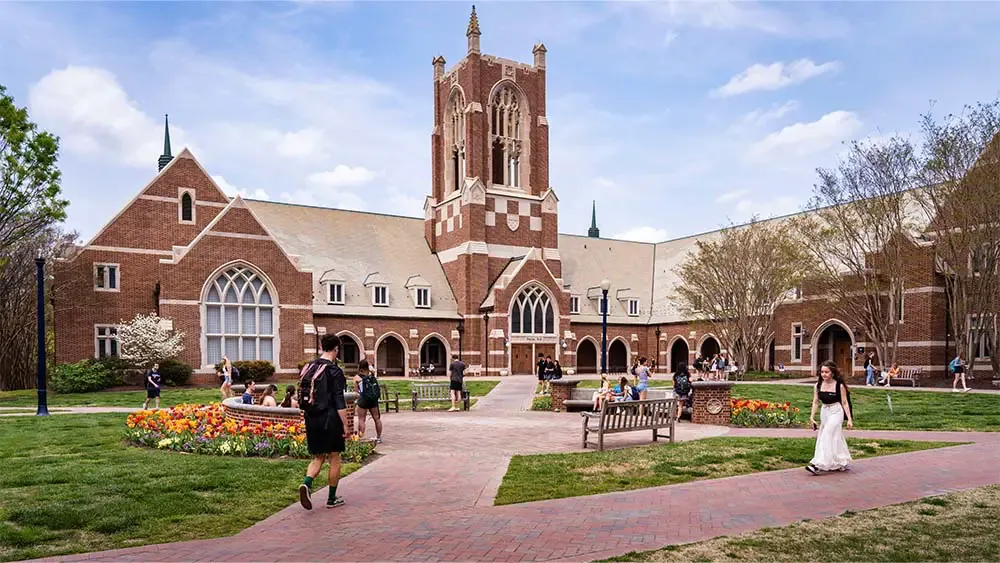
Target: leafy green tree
[29,177]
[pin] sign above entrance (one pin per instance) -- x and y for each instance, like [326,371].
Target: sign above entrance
[534,338]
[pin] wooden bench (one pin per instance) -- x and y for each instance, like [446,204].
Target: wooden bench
[907,375]
[583,397]
[630,416]
[389,401]
[435,392]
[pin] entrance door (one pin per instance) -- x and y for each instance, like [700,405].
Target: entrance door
[842,356]
[522,361]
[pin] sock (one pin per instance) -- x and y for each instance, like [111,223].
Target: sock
[333,493]
[308,481]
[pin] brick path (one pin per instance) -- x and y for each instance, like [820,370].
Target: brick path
[431,497]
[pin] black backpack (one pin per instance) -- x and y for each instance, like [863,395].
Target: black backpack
[234,373]
[314,387]
[370,391]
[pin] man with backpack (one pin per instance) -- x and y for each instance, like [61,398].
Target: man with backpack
[321,398]
[456,382]
[369,393]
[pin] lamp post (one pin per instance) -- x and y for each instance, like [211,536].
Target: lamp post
[461,330]
[43,407]
[605,286]
[486,332]
[657,368]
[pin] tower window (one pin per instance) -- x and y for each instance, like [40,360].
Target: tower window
[505,130]
[455,142]
[186,210]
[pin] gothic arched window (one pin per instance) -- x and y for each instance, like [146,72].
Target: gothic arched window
[454,142]
[187,207]
[532,312]
[239,317]
[505,135]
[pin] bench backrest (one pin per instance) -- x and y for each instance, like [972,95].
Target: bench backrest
[430,390]
[587,393]
[635,415]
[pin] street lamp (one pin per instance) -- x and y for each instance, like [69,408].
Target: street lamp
[605,286]
[486,332]
[461,331]
[657,368]
[43,407]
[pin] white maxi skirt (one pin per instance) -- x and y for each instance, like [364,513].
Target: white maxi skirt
[831,447]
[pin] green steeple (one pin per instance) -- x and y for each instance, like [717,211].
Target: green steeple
[166,157]
[594,232]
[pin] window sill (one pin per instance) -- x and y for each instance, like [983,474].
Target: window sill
[102,290]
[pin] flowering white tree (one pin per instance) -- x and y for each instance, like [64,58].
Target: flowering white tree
[145,341]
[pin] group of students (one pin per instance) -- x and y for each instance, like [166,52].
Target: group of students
[639,388]
[547,370]
[715,367]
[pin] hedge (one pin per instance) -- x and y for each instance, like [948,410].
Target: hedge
[257,370]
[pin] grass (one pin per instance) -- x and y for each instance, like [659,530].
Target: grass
[549,476]
[176,395]
[955,527]
[70,485]
[542,403]
[911,410]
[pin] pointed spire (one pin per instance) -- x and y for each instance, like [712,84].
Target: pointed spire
[166,157]
[594,232]
[473,32]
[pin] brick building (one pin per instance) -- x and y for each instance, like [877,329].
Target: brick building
[485,274]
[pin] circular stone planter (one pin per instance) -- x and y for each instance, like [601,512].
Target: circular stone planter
[234,409]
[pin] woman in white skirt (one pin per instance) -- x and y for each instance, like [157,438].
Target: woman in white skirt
[831,447]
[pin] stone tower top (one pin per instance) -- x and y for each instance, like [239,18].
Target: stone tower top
[473,32]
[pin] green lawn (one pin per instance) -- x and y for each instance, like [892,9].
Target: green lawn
[70,485]
[173,396]
[956,527]
[548,476]
[911,410]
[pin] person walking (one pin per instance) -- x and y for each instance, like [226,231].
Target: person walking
[682,388]
[227,378]
[957,368]
[321,398]
[870,369]
[152,386]
[831,452]
[456,382]
[369,392]
[642,378]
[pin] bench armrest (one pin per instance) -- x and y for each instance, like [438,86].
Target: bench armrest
[590,414]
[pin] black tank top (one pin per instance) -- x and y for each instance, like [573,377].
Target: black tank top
[828,397]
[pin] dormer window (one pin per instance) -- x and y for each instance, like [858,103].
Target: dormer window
[633,307]
[335,293]
[380,295]
[423,297]
[574,305]
[420,291]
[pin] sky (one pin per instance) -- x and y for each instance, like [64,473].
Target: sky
[675,117]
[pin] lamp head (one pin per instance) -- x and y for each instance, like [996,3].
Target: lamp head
[605,284]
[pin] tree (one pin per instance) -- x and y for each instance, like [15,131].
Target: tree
[960,169]
[735,283]
[144,341]
[29,177]
[858,231]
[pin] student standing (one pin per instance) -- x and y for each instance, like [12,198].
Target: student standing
[456,382]
[369,393]
[152,386]
[321,398]
[540,369]
[642,378]
[870,369]
[831,452]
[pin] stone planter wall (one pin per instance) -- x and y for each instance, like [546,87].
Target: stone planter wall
[561,390]
[711,402]
[234,409]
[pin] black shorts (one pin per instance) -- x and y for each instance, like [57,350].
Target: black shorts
[959,370]
[325,434]
[364,404]
[455,385]
[153,393]
[541,377]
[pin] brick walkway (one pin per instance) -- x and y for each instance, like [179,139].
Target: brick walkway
[431,497]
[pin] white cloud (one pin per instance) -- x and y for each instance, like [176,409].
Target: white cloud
[232,191]
[806,138]
[400,203]
[302,144]
[759,117]
[773,76]
[343,176]
[643,234]
[94,116]
[731,196]
[326,198]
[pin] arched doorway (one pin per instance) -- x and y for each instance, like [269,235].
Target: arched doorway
[834,343]
[350,353]
[433,352]
[678,353]
[586,357]
[770,356]
[617,357]
[710,347]
[390,356]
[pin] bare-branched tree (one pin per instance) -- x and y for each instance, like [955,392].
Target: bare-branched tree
[735,282]
[858,230]
[961,175]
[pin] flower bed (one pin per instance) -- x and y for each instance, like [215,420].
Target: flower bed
[754,413]
[205,429]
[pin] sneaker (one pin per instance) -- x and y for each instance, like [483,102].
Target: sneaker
[337,501]
[953,390]
[812,469]
[305,497]
[845,468]
[967,389]
[378,440]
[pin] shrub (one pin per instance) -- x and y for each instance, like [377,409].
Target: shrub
[542,403]
[257,370]
[119,370]
[82,377]
[175,372]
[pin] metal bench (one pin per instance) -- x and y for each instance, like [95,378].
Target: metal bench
[435,392]
[907,375]
[392,402]
[630,416]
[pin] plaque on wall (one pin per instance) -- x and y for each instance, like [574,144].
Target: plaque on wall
[713,406]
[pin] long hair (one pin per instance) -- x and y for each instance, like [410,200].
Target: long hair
[682,369]
[833,369]
[289,395]
[363,368]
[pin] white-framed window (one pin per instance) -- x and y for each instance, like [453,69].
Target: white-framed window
[380,295]
[797,342]
[105,341]
[106,277]
[186,206]
[981,342]
[633,307]
[239,317]
[335,293]
[423,297]
[896,300]
[574,304]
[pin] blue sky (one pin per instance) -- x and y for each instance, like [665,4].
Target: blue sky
[677,117]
